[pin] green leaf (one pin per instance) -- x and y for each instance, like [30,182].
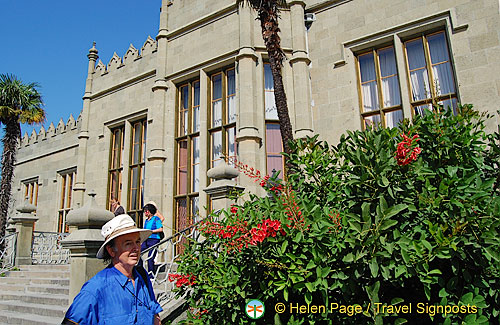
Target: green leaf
[373,267]
[394,210]
[467,298]
[365,211]
[348,258]
[355,225]
[283,246]
[309,286]
[386,224]
[400,321]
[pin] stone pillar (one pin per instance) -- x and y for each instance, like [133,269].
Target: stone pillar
[23,223]
[222,186]
[85,242]
[250,112]
[300,61]
[83,136]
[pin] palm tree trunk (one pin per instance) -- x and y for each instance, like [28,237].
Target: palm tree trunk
[281,106]
[10,142]
[268,16]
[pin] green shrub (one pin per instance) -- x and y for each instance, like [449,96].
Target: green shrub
[389,217]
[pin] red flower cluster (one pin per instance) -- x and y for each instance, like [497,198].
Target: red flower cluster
[292,210]
[234,209]
[252,173]
[336,220]
[268,228]
[238,235]
[182,279]
[407,150]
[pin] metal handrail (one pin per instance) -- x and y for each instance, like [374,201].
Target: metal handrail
[8,254]
[47,249]
[168,251]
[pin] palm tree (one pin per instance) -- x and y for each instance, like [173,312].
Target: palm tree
[19,103]
[268,14]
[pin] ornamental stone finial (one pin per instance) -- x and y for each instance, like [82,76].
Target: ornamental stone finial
[89,215]
[93,53]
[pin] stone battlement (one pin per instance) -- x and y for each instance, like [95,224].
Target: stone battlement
[71,126]
[116,62]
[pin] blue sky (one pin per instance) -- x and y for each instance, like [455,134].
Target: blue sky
[47,42]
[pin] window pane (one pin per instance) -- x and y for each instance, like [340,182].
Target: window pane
[183,111]
[117,149]
[418,71]
[423,108]
[389,75]
[195,174]
[231,96]
[134,187]
[368,82]
[196,108]
[216,100]
[137,143]
[217,113]
[449,103]
[195,208]
[181,217]
[393,118]
[182,175]
[216,148]
[273,138]
[372,121]
[273,149]
[269,100]
[415,54]
[438,48]
[231,142]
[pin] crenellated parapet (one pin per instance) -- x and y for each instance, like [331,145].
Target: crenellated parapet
[129,58]
[72,127]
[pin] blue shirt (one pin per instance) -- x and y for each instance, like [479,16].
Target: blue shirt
[153,223]
[110,298]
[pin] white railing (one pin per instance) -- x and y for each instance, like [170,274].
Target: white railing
[8,254]
[47,248]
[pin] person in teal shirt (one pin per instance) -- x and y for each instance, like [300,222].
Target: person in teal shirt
[154,224]
[121,293]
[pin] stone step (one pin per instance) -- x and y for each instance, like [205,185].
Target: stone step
[38,274]
[10,317]
[33,309]
[36,281]
[48,289]
[36,298]
[60,267]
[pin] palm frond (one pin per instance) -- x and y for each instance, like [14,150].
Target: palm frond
[20,101]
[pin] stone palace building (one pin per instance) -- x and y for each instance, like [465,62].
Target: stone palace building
[157,118]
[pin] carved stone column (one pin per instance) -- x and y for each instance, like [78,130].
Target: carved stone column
[222,186]
[85,242]
[23,223]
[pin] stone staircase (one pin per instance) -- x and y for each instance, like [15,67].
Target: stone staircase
[35,294]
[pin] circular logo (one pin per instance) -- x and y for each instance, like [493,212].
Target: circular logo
[254,309]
